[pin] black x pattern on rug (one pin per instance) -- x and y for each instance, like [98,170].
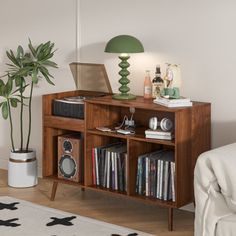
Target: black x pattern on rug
[9,223]
[9,206]
[61,221]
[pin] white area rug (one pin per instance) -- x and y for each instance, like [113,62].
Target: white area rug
[22,218]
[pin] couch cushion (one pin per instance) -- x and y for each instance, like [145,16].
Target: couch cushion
[226,226]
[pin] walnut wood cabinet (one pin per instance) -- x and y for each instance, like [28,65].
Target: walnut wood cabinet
[192,137]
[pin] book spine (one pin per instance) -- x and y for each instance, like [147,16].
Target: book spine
[152,178]
[153,136]
[138,176]
[96,164]
[144,176]
[93,166]
[108,169]
[166,172]
[105,169]
[113,170]
[169,196]
[120,173]
[147,177]
[116,170]
[161,133]
[173,180]
[102,164]
[161,179]
[126,172]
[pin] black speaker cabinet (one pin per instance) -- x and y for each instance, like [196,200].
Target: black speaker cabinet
[70,157]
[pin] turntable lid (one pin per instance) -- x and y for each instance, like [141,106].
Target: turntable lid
[91,77]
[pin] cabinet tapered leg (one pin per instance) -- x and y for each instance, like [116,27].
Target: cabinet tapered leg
[82,189]
[170,219]
[54,190]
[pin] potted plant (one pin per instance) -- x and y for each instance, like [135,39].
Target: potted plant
[24,71]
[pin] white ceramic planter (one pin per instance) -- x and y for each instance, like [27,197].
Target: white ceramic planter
[22,170]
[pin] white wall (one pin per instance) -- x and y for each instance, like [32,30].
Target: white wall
[199,35]
[41,21]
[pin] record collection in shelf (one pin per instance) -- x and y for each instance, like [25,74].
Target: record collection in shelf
[156,175]
[109,166]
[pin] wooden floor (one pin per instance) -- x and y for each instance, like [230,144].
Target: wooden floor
[136,215]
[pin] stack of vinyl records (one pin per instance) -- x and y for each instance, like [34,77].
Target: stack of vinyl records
[109,166]
[156,175]
[159,134]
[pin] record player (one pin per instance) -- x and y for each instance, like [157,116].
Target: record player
[89,77]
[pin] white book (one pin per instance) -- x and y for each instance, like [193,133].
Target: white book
[172,100]
[153,136]
[158,177]
[158,132]
[96,164]
[182,104]
[161,179]
[172,166]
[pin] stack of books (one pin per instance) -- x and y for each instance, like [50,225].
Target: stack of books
[109,166]
[156,175]
[180,102]
[159,134]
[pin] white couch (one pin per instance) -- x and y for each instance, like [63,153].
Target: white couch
[215,192]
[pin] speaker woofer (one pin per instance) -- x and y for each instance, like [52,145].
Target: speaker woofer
[67,166]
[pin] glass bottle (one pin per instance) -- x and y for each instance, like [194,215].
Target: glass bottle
[147,92]
[157,83]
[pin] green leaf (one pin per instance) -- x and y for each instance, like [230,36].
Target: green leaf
[13,59]
[2,87]
[34,75]
[24,72]
[38,49]
[20,52]
[17,81]
[11,65]
[49,63]
[1,104]
[14,102]
[8,87]
[32,49]
[5,110]
[45,75]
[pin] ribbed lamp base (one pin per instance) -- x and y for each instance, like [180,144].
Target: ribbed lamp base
[124,96]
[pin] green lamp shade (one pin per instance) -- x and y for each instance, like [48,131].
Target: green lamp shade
[124,44]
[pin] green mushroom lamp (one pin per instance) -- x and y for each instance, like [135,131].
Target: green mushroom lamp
[124,44]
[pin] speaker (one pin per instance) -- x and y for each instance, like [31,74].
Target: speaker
[70,157]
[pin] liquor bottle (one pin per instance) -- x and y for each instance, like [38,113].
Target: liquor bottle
[147,92]
[157,83]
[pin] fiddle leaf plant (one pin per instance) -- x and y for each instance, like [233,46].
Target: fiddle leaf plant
[25,69]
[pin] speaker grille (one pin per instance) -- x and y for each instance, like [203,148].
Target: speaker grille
[67,166]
